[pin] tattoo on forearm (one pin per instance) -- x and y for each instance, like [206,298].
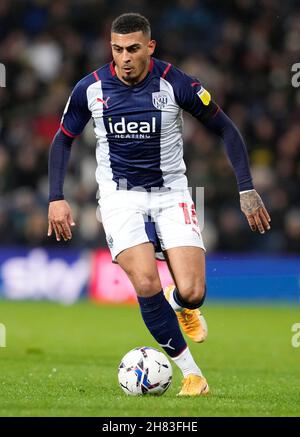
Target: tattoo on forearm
[250,202]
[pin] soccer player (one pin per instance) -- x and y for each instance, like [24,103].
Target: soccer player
[136,104]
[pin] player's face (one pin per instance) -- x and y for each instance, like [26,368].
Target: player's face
[131,53]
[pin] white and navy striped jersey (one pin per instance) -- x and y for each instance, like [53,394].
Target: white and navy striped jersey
[138,128]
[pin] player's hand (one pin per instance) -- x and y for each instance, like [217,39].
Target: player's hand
[60,220]
[255,211]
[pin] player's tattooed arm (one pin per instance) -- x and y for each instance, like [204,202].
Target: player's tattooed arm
[255,211]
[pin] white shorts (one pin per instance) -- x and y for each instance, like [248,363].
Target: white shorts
[167,219]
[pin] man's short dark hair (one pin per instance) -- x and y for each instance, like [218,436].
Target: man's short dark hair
[131,22]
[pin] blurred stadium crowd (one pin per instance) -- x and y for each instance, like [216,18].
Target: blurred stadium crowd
[241,50]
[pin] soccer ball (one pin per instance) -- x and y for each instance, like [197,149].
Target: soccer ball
[144,370]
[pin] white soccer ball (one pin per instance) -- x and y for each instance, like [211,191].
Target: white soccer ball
[144,370]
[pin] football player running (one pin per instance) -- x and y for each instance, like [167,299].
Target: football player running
[136,104]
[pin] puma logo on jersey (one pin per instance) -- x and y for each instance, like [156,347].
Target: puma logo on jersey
[104,101]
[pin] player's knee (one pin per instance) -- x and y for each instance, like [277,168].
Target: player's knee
[147,285]
[194,294]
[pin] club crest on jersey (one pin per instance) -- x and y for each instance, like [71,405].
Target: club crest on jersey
[159,100]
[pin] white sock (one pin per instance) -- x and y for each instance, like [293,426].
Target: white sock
[173,304]
[186,363]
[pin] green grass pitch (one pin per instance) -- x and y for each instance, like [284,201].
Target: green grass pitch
[62,361]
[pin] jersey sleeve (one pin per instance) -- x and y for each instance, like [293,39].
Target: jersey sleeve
[195,99]
[191,95]
[76,113]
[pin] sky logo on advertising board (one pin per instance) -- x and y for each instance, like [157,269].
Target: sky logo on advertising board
[36,276]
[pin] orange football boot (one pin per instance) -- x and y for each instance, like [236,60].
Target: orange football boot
[194,385]
[192,322]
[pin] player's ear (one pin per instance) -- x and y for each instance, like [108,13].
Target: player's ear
[151,46]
